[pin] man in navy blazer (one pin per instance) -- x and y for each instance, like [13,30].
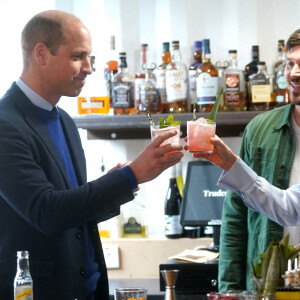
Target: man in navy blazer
[46,205]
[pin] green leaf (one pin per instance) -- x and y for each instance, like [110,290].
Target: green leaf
[214,110]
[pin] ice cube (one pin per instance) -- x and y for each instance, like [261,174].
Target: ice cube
[201,120]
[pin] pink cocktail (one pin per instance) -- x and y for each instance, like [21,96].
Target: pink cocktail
[199,134]
[157,131]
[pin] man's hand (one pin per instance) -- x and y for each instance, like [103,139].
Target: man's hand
[222,155]
[153,160]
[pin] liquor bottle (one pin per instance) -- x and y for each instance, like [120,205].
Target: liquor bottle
[280,56]
[207,81]
[193,73]
[122,88]
[161,75]
[233,85]
[23,286]
[176,83]
[111,67]
[250,69]
[261,89]
[173,228]
[149,93]
[179,179]
[94,97]
[140,76]
[281,90]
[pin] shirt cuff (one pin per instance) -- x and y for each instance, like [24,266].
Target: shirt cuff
[130,176]
[240,177]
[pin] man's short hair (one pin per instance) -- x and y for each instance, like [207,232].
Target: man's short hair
[294,40]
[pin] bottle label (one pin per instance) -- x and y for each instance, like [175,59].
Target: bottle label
[261,93]
[281,82]
[149,97]
[123,94]
[23,293]
[137,84]
[232,94]
[176,85]
[279,98]
[172,225]
[161,84]
[132,226]
[207,88]
[193,85]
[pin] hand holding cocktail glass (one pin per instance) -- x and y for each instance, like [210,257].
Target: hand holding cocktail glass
[200,131]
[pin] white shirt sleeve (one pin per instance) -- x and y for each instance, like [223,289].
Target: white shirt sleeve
[281,206]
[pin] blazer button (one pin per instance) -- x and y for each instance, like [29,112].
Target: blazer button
[282,167]
[82,271]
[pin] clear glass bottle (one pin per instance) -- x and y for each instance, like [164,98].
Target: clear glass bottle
[280,56]
[161,75]
[149,93]
[177,83]
[207,80]
[250,69]
[23,286]
[233,79]
[173,228]
[281,90]
[193,73]
[122,88]
[261,89]
[140,76]
[111,67]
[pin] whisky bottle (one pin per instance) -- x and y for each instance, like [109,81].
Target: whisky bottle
[122,88]
[149,93]
[250,69]
[207,81]
[161,75]
[176,83]
[173,228]
[280,56]
[111,67]
[94,97]
[193,73]
[261,89]
[23,286]
[233,79]
[281,90]
[140,76]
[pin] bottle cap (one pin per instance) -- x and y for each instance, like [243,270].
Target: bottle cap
[197,45]
[261,63]
[165,46]
[232,51]
[205,43]
[255,48]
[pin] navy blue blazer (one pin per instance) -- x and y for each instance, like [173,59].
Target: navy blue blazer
[39,211]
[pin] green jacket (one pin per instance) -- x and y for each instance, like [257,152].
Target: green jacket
[268,147]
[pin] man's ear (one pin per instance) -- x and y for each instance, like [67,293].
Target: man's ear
[40,53]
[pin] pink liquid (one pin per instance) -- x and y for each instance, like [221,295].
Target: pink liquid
[199,137]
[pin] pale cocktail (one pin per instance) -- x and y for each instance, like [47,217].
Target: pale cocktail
[157,131]
[199,133]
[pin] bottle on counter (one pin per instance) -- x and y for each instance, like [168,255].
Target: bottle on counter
[111,67]
[281,89]
[250,69]
[280,56]
[261,90]
[173,228]
[122,88]
[23,286]
[233,79]
[139,77]
[207,80]
[94,97]
[176,83]
[193,73]
[149,96]
[161,75]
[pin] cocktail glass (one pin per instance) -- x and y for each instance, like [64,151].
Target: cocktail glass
[157,131]
[199,134]
[130,294]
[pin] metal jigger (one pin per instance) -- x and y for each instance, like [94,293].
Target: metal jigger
[170,277]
